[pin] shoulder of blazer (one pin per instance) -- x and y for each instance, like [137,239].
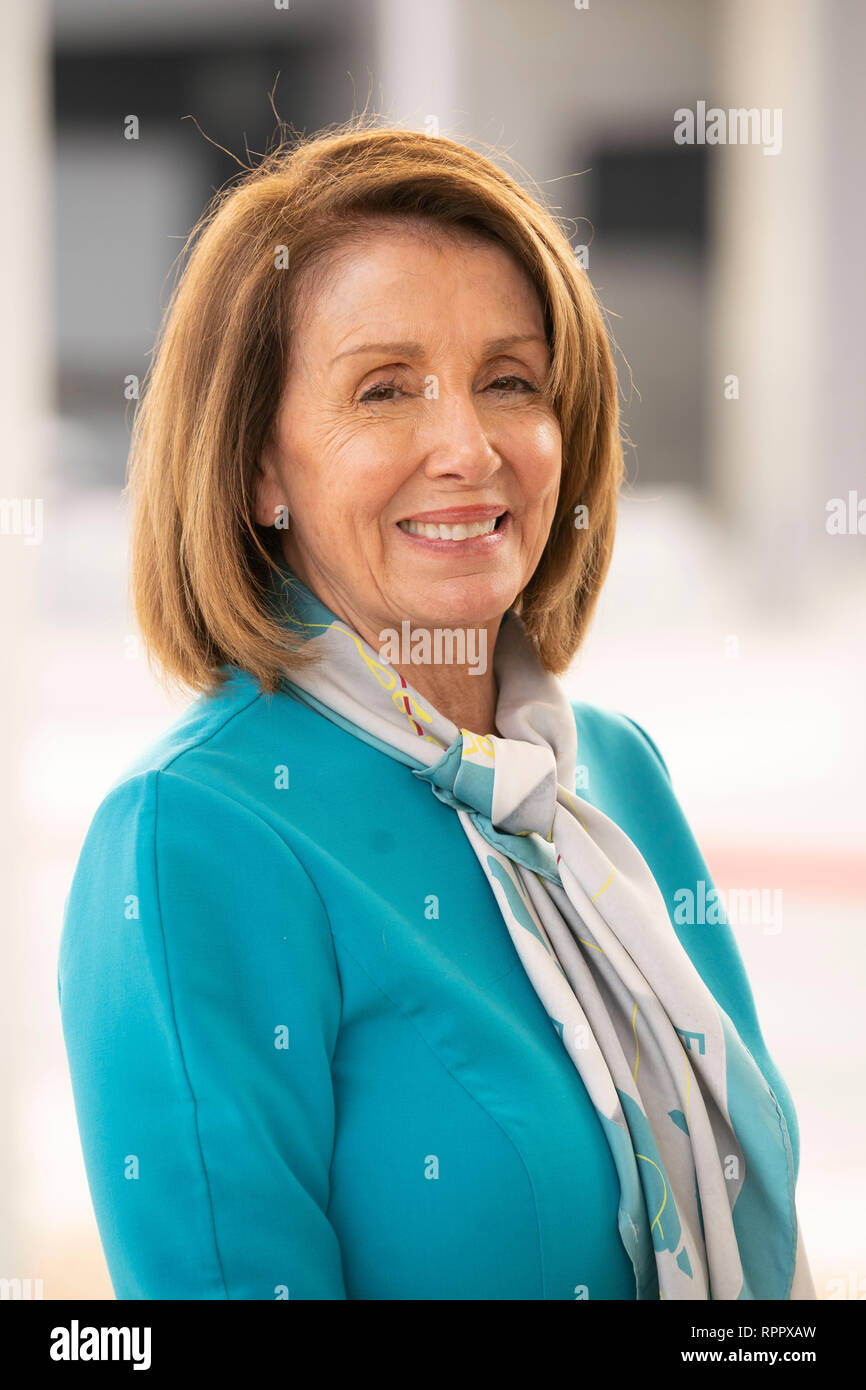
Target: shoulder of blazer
[204,719]
[611,733]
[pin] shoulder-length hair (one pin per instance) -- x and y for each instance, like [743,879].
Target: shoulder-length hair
[201,566]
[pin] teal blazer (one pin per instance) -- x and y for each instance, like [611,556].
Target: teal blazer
[306,1060]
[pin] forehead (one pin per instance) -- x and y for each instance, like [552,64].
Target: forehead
[393,271]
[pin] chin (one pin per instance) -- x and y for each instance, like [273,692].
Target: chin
[464,600]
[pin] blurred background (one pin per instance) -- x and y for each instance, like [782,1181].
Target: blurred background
[732,624]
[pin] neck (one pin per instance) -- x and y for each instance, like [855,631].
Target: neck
[463,693]
[452,667]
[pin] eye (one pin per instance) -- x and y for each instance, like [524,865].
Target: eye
[373,396]
[370,396]
[520,380]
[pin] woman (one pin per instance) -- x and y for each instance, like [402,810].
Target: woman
[369,980]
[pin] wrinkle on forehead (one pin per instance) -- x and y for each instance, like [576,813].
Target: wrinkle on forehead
[361,230]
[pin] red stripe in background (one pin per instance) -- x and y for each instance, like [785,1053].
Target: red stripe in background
[828,873]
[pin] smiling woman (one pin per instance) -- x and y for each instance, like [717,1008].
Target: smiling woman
[361,997]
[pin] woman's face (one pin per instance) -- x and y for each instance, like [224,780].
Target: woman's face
[413,403]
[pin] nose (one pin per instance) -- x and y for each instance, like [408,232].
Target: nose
[457,445]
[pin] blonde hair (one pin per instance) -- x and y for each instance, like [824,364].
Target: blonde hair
[201,565]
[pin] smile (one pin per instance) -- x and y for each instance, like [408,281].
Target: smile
[457,529]
[460,532]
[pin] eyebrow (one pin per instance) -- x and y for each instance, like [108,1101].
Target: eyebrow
[417,350]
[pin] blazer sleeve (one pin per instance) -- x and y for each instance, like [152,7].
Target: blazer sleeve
[200,1004]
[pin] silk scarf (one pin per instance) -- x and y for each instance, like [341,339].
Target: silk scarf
[698,1139]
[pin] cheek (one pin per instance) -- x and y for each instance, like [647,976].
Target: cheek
[341,481]
[539,464]
[366,474]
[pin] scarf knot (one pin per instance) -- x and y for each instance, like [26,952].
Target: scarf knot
[509,783]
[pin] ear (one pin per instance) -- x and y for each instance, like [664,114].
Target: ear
[269,491]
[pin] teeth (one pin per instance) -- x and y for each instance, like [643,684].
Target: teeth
[460,532]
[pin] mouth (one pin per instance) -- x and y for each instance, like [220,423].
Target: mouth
[457,526]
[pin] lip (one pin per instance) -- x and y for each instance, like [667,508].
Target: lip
[473,545]
[452,516]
